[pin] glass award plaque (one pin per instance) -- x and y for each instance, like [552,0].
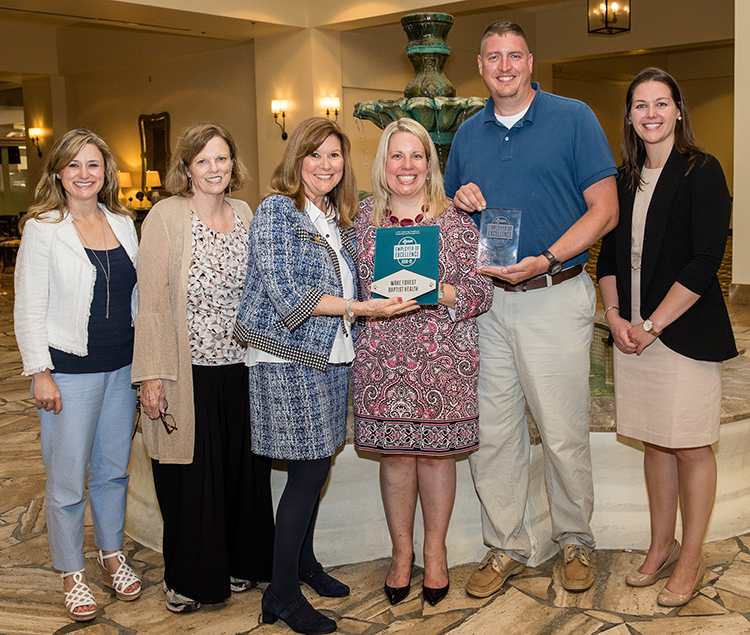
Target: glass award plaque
[499,233]
[406,263]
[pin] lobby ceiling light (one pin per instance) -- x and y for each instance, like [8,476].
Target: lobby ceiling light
[609,17]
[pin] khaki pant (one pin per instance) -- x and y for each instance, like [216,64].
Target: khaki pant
[534,348]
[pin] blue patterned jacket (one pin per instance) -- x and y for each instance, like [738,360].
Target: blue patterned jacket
[290,267]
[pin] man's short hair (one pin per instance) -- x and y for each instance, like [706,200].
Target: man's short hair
[503,27]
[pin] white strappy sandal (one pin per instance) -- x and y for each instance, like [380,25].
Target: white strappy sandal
[79,595]
[121,579]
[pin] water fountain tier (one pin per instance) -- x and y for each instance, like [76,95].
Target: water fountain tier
[429,97]
[441,116]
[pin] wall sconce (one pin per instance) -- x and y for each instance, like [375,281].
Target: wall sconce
[34,134]
[278,107]
[332,103]
[124,180]
[609,17]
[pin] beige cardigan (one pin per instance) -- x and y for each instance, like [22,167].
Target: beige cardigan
[162,341]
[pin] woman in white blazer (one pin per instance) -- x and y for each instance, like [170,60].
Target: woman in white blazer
[74,310]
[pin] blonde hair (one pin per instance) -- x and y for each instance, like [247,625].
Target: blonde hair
[190,144]
[50,195]
[434,194]
[287,177]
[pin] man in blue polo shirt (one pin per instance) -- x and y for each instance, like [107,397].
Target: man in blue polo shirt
[547,156]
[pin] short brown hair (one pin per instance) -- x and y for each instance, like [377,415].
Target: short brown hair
[287,177]
[192,140]
[434,193]
[503,27]
[50,194]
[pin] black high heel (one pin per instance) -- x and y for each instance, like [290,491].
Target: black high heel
[433,596]
[300,615]
[398,593]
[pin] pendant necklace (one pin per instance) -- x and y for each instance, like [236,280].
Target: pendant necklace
[86,244]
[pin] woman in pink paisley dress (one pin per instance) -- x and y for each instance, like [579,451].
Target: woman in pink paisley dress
[414,378]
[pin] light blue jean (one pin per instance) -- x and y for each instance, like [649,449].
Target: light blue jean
[92,434]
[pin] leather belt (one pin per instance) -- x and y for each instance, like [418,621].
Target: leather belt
[539,282]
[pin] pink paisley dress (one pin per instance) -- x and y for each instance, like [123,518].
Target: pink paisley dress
[414,378]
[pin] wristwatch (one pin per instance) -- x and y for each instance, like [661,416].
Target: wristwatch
[648,326]
[555,266]
[441,291]
[348,313]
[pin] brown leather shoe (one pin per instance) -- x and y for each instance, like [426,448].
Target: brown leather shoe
[492,573]
[577,571]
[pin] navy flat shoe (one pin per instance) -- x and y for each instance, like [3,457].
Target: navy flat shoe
[300,615]
[323,583]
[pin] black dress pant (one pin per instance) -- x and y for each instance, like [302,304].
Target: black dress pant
[217,510]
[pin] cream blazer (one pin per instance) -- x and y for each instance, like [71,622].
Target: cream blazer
[162,341]
[54,286]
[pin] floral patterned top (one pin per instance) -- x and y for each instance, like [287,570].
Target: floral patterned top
[414,378]
[217,273]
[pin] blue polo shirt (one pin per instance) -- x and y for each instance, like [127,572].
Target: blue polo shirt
[542,165]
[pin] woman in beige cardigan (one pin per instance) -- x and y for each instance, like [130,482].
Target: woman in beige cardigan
[214,493]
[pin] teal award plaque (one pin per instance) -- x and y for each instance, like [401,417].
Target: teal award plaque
[406,263]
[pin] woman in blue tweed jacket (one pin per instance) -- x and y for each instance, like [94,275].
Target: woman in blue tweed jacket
[296,315]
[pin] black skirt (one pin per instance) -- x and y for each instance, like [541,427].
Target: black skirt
[217,510]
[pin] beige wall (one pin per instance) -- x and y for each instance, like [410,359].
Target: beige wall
[214,83]
[302,67]
[28,48]
[44,108]
[562,33]
[706,79]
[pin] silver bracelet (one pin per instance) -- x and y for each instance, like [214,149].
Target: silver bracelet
[609,308]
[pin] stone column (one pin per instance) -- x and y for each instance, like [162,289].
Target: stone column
[740,289]
[302,67]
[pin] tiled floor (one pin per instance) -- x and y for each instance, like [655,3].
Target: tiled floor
[534,603]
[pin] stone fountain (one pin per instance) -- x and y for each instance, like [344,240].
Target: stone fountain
[429,98]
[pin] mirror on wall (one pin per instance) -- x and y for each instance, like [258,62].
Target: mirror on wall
[155,147]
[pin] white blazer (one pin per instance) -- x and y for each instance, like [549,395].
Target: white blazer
[54,287]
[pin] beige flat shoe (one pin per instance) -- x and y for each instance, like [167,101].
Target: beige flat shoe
[636,578]
[669,598]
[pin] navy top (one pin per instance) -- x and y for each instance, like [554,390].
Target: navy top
[542,165]
[110,341]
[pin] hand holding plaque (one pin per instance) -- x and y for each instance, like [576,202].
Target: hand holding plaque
[499,230]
